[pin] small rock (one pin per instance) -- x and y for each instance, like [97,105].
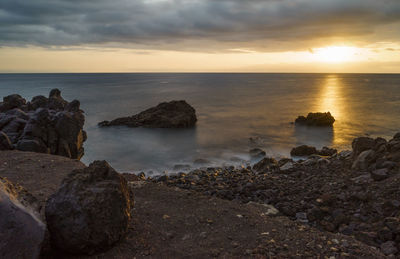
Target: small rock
[389,248]
[303,150]
[380,174]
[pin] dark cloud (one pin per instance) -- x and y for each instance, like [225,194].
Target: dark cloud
[195,24]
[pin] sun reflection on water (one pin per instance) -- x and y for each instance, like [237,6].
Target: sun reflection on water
[331,98]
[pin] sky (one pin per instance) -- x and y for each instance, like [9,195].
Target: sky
[360,36]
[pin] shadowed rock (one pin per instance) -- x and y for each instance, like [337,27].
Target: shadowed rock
[21,230]
[174,114]
[45,125]
[91,210]
[316,119]
[303,150]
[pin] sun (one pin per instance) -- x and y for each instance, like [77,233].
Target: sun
[334,54]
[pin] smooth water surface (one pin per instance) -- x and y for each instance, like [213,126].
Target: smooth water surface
[235,112]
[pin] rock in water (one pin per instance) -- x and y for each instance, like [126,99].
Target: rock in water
[316,119]
[91,210]
[21,230]
[303,150]
[174,114]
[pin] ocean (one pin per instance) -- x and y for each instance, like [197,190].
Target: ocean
[236,112]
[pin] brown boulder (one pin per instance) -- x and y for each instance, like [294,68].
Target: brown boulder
[91,210]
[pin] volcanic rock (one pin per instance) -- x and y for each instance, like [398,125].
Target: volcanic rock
[45,125]
[303,150]
[91,210]
[316,119]
[174,114]
[21,230]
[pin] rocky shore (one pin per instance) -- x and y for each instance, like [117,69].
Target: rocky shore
[354,193]
[328,204]
[175,223]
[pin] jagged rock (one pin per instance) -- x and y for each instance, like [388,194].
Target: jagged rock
[46,125]
[11,102]
[56,102]
[91,210]
[316,119]
[303,150]
[21,230]
[326,151]
[266,164]
[174,114]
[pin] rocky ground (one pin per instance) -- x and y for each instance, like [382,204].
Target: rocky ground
[355,193]
[175,223]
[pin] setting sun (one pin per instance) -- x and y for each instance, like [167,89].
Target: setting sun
[335,54]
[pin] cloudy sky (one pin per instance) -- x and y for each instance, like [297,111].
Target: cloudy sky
[200,35]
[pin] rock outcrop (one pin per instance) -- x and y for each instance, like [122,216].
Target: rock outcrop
[46,125]
[174,114]
[91,210]
[305,150]
[21,230]
[316,119]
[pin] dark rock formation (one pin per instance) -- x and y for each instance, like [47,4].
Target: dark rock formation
[46,125]
[326,151]
[91,210]
[21,230]
[316,119]
[266,164]
[174,114]
[361,144]
[303,150]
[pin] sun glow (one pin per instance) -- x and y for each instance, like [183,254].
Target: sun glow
[335,54]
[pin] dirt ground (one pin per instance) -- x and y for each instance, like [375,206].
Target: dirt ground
[174,223]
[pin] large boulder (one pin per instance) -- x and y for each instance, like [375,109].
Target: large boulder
[91,210]
[303,150]
[47,125]
[21,230]
[361,144]
[174,114]
[316,119]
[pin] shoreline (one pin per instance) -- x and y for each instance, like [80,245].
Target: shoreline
[320,196]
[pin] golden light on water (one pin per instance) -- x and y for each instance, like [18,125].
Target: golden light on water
[331,97]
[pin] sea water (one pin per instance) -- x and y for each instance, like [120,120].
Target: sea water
[236,112]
